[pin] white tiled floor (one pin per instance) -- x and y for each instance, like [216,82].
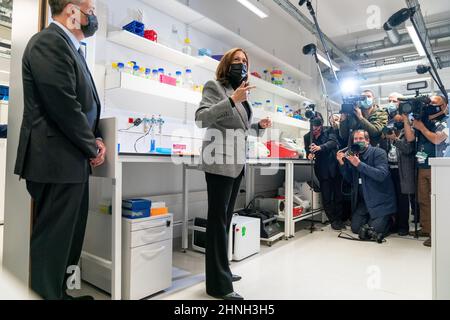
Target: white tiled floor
[319,266]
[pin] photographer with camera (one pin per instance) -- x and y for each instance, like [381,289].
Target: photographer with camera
[401,164]
[322,148]
[430,127]
[366,116]
[373,195]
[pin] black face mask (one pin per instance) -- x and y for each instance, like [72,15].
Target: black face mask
[91,28]
[238,73]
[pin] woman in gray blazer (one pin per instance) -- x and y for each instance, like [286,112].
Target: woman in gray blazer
[226,113]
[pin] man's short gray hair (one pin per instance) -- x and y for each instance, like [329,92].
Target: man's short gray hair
[57,6]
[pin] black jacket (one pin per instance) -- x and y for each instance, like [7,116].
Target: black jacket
[56,140]
[326,165]
[377,187]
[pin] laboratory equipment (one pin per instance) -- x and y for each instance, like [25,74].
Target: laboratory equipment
[188,80]
[245,237]
[187,49]
[135,27]
[151,35]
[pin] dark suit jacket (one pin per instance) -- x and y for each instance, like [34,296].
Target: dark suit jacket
[326,165]
[377,187]
[56,139]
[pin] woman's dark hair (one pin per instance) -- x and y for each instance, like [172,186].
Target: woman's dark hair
[225,63]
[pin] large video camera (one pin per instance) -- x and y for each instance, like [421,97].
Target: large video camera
[368,233]
[350,103]
[415,106]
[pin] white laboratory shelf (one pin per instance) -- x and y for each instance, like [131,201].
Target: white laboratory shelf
[125,84]
[276,90]
[211,64]
[194,19]
[143,45]
[281,119]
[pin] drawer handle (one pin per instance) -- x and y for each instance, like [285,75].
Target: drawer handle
[148,255]
[153,236]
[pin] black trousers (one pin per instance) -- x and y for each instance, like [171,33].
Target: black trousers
[60,218]
[332,198]
[222,195]
[401,217]
[361,217]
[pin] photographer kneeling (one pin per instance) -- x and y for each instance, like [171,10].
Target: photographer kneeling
[430,127]
[373,195]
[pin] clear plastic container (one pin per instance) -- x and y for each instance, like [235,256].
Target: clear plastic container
[179,77]
[155,75]
[129,67]
[115,67]
[269,107]
[187,48]
[137,71]
[121,67]
[161,72]
[148,73]
[188,80]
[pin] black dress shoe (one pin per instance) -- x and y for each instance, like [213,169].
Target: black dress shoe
[235,278]
[230,296]
[81,298]
[338,226]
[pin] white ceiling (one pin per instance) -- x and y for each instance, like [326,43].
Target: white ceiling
[345,21]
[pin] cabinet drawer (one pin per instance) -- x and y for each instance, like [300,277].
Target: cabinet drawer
[151,224]
[149,236]
[150,270]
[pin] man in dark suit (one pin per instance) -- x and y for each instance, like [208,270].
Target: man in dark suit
[373,194]
[322,149]
[59,142]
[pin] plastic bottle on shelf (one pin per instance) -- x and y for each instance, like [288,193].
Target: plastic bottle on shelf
[160,73]
[269,107]
[155,75]
[136,71]
[121,67]
[129,67]
[148,73]
[188,80]
[187,48]
[179,76]
[142,72]
[115,67]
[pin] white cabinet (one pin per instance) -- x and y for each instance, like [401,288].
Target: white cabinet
[440,222]
[146,256]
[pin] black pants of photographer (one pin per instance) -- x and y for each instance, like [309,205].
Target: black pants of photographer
[222,195]
[361,217]
[332,199]
[401,218]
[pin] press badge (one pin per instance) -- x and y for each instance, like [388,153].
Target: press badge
[360,181]
[421,157]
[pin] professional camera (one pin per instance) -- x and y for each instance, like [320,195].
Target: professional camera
[415,106]
[353,150]
[367,233]
[350,103]
[392,128]
[310,111]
